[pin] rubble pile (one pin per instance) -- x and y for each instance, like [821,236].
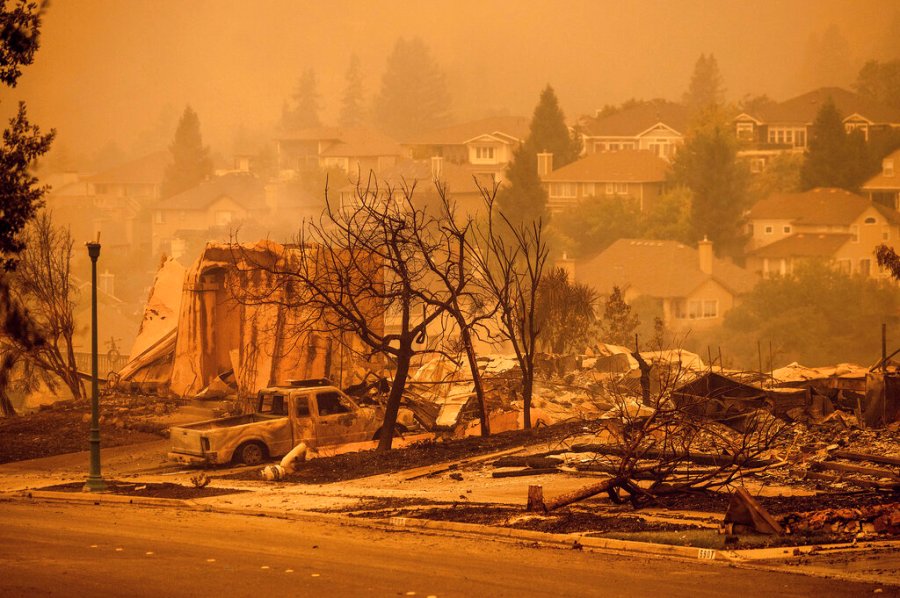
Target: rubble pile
[865,521]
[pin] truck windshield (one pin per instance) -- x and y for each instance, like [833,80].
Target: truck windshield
[331,402]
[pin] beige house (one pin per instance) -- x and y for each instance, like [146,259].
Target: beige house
[657,127]
[822,224]
[884,187]
[488,142]
[350,149]
[206,212]
[693,287]
[785,126]
[638,174]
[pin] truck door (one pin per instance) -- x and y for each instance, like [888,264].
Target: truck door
[337,416]
[302,420]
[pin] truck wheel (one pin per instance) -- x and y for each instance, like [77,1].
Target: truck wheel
[251,453]
[399,430]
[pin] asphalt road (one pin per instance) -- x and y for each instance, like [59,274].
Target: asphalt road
[86,550]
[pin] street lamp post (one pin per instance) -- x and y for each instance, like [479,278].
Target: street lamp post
[94,481]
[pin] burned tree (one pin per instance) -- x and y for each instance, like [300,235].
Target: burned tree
[453,264]
[42,284]
[510,260]
[361,267]
[565,311]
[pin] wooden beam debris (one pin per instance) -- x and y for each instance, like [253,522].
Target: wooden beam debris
[537,503]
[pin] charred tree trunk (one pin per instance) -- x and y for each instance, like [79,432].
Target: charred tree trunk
[404,357]
[476,376]
[527,390]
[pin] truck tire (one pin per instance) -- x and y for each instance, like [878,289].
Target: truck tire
[399,430]
[251,453]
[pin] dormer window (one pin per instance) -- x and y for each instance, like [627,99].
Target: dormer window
[870,220]
[484,152]
[887,167]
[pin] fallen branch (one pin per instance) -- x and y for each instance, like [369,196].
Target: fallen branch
[536,499]
[866,457]
[525,472]
[651,453]
[849,468]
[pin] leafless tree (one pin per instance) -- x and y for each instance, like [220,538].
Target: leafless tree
[668,444]
[363,268]
[454,265]
[510,260]
[42,285]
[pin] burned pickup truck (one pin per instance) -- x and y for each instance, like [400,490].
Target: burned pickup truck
[311,411]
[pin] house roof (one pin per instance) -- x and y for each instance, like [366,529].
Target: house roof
[632,166]
[516,127]
[638,119]
[148,169]
[804,245]
[658,269]
[805,107]
[354,143]
[880,181]
[458,177]
[244,189]
[821,206]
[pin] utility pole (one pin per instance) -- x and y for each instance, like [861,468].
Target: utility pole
[94,481]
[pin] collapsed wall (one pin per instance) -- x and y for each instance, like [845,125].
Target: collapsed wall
[222,327]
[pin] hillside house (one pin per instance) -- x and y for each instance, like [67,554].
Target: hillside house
[658,127]
[884,187]
[638,174]
[693,288]
[826,224]
[352,150]
[488,142]
[785,126]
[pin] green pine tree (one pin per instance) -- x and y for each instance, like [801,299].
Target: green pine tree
[833,158]
[353,112]
[549,133]
[191,163]
[522,198]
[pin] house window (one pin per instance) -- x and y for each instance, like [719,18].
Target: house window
[223,217]
[787,229]
[100,189]
[621,188]
[757,165]
[769,229]
[792,136]
[484,152]
[865,266]
[562,189]
[610,188]
[587,190]
[844,266]
[694,310]
[745,131]
[887,167]
[710,309]
[870,220]
[159,217]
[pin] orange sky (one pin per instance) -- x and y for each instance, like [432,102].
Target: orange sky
[123,70]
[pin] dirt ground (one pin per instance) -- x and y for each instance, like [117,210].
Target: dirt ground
[63,427]
[151,490]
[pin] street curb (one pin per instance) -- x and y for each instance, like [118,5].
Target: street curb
[573,540]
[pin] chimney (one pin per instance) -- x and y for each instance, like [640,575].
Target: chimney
[437,167]
[545,164]
[568,264]
[705,253]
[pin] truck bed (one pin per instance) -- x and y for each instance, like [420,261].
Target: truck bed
[228,422]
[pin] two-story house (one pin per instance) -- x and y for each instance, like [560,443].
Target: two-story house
[113,203]
[206,212]
[693,287]
[884,187]
[487,143]
[351,149]
[785,127]
[658,127]
[638,174]
[825,224]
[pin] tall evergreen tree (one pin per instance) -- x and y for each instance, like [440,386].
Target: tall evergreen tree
[190,163]
[619,323]
[880,82]
[414,95]
[303,112]
[522,198]
[549,133]
[708,166]
[833,158]
[705,89]
[353,111]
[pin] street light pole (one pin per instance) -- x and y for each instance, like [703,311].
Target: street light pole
[94,481]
